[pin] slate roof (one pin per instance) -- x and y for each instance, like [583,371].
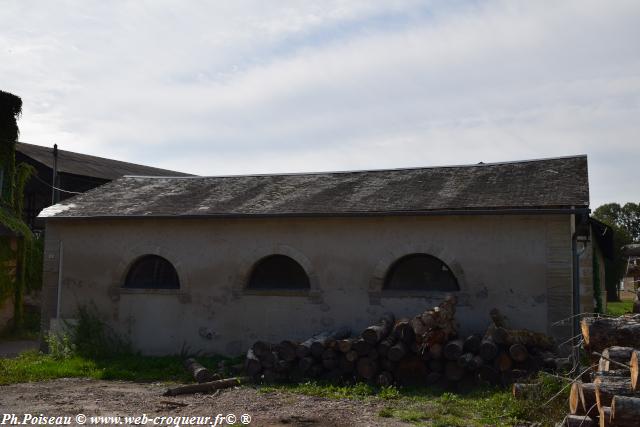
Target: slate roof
[532,184]
[85,165]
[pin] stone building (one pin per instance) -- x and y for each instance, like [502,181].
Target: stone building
[215,263]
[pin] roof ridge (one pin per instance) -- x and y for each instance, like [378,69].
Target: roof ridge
[339,172]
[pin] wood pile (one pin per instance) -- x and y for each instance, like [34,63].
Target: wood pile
[424,349]
[608,394]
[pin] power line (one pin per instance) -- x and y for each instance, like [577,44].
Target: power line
[56,188]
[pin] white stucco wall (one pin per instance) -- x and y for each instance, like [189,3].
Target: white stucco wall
[520,264]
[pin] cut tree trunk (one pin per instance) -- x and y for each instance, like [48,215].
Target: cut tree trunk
[404,332]
[344,346]
[625,411]
[635,370]
[518,352]
[503,362]
[605,416]
[361,347]
[453,350]
[579,421]
[488,349]
[252,365]
[375,333]
[601,333]
[472,344]
[287,350]
[199,372]
[616,354]
[607,387]
[206,387]
[397,352]
[384,345]
[367,368]
[453,371]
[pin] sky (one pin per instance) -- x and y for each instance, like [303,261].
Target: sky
[239,87]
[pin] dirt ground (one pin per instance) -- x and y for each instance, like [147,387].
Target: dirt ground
[118,398]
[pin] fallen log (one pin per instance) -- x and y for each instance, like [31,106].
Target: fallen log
[503,362]
[435,351]
[261,348]
[625,411]
[252,364]
[367,368]
[344,346]
[518,352]
[361,347]
[286,350]
[376,333]
[579,421]
[607,387]
[384,345]
[601,333]
[635,370]
[605,416]
[465,360]
[199,372]
[206,387]
[453,350]
[614,354]
[404,332]
[472,344]
[488,349]
[397,352]
[453,371]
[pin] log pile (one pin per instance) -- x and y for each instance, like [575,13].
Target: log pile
[608,395]
[424,349]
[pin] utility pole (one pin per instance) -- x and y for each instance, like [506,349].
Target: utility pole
[54,176]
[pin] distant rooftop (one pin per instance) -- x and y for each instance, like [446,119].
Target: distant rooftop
[531,184]
[86,165]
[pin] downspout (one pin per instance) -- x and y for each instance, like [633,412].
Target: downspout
[575,332]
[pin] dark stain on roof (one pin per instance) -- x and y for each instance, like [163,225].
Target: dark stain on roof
[532,184]
[85,165]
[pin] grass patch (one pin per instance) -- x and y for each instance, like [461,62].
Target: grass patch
[33,366]
[434,407]
[618,308]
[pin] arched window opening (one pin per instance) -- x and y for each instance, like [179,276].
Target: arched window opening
[420,272]
[152,272]
[278,272]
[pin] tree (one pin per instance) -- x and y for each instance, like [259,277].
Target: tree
[625,223]
[12,181]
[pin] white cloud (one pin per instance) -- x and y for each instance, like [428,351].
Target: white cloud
[246,87]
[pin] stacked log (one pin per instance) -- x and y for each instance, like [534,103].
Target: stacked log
[424,349]
[612,397]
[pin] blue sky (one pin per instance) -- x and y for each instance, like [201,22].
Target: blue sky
[265,87]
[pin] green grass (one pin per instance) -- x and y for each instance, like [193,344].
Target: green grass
[432,407]
[618,308]
[33,366]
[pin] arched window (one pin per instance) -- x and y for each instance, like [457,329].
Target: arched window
[420,272]
[152,272]
[278,272]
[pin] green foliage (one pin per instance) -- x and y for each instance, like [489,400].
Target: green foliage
[34,366]
[618,308]
[435,407]
[60,347]
[624,221]
[93,338]
[10,109]
[626,217]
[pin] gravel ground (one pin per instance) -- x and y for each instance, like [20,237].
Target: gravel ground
[72,396]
